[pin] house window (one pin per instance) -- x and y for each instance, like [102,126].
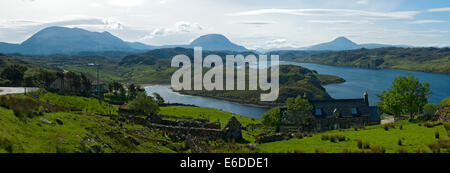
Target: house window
[318,112]
[354,111]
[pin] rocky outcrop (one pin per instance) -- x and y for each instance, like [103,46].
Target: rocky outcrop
[233,130]
[443,113]
[194,127]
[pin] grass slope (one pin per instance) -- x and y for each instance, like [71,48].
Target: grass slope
[79,133]
[414,138]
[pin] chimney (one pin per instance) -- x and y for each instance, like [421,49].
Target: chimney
[366,97]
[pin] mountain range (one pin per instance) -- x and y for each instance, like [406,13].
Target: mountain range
[62,40]
[338,44]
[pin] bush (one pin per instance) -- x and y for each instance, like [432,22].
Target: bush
[440,144]
[447,126]
[429,109]
[363,145]
[6,145]
[432,124]
[298,151]
[402,150]
[378,149]
[325,137]
[271,118]
[388,126]
[319,150]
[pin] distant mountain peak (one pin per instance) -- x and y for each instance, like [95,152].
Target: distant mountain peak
[57,39]
[216,42]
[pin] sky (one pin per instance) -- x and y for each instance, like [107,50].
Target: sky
[255,24]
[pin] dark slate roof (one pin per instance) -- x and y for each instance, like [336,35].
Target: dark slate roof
[374,114]
[343,107]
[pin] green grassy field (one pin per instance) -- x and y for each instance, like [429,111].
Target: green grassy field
[88,132]
[414,138]
[91,105]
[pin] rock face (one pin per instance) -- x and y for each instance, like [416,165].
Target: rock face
[443,113]
[233,130]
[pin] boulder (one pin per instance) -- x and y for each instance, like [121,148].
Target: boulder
[45,121]
[233,130]
[132,140]
[154,118]
[59,121]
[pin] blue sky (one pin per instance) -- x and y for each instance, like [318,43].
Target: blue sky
[252,23]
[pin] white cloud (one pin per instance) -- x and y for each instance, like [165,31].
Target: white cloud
[255,22]
[340,21]
[427,21]
[331,13]
[125,3]
[179,27]
[439,9]
[362,2]
[67,21]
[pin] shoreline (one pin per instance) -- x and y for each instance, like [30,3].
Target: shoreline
[215,98]
[385,68]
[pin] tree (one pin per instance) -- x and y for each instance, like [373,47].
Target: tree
[299,111]
[132,92]
[144,104]
[407,95]
[271,118]
[160,100]
[429,109]
[14,73]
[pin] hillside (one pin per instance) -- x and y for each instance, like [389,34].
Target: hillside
[84,130]
[436,60]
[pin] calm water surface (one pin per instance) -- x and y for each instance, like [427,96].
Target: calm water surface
[357,81]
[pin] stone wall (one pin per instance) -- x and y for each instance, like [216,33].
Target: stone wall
[182,129]
[325,124]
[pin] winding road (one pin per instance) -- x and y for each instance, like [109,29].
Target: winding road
[14,90]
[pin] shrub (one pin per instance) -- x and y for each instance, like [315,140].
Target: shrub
[432,124]
[402,150]
[6,144]
[271,118]
[360,144]
[333,138]
[447,126]
[319,150]
[298,151]
[341,138]
[440,144]
[325,137]
[388,126]
[363,145]
[378,149]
